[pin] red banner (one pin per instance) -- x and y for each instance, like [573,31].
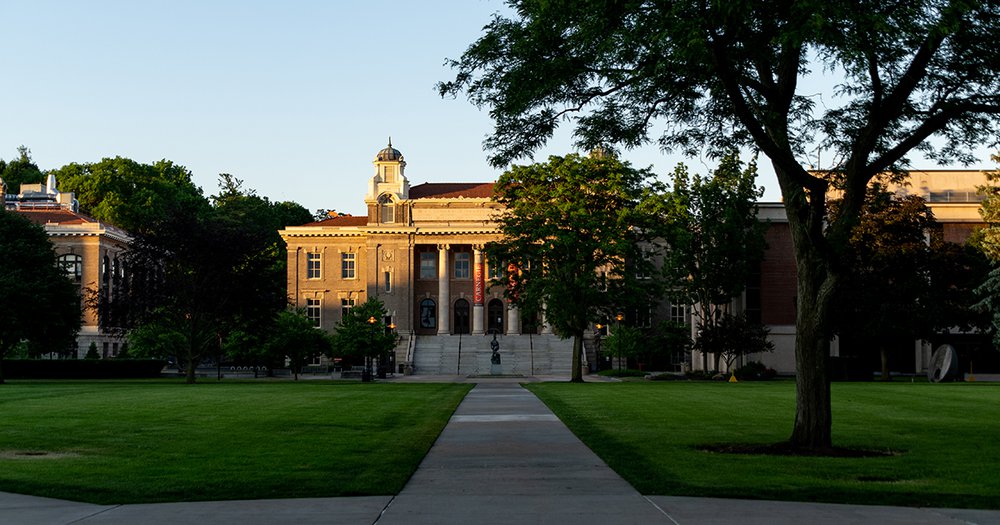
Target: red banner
[478,289]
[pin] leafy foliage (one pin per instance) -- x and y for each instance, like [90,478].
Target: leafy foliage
[699,76]
[572,231]
[363,333]
[205,272]
[137,197]
[732,336]
[21,170]
[296,339]
[40,306]
[886,296]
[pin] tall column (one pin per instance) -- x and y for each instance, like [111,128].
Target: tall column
[513,320]
[478,290]
[546,327]
[444,291]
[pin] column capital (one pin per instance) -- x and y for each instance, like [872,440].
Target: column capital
[444,247]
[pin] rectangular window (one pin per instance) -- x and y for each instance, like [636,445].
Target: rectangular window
[642,265]
[463,263]
[345,307]
[388,281]
[347,265]
[314,264]
[678,313]
[497,270]
[428,265]
[314,310]
[644,316]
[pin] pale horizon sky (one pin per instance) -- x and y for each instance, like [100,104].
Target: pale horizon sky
[295,98]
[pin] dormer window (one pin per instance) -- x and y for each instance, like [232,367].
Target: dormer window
[387,209]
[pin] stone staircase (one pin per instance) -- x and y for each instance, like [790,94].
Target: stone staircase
[521,355]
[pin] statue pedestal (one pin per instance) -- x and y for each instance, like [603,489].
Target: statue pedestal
[495,369]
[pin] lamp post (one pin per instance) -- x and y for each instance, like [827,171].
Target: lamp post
[383,359]
[366,376]
[597,347]
[619,317]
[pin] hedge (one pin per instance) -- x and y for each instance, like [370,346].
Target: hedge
[82,368]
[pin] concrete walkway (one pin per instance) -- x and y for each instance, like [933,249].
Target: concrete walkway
[503,458]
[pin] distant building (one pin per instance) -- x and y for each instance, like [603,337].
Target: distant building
[87,250]
[419,250]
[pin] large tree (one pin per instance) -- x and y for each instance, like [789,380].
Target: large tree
[131,195]
[716,74]
[38,304]
[206,271]
[573,231]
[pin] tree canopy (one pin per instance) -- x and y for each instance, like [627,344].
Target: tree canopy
[21,170]
[206,271]
[572,233]
[39,305]
[705,77]
[134,196]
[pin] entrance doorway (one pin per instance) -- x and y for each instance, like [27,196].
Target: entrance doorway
[461,316]
[494,313]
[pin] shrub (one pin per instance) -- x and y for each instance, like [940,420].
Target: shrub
[755,371]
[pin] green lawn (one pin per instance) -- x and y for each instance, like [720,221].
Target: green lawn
[946,438]
[149,441]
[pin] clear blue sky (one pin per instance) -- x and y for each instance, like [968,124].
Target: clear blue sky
[293,97]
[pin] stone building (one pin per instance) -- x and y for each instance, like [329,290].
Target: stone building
[419,250]
[87,250]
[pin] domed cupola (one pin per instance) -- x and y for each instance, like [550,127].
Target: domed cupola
[389,180]
[389,153]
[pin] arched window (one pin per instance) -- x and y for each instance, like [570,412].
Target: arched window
[387,209]
[72,266]
[428,314]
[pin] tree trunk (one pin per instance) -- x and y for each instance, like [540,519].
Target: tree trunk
[717,356]
[1,370]
[577,375]
[189,377]
[813,421]
[884,354]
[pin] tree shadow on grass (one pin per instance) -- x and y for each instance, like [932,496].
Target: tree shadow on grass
[787,449]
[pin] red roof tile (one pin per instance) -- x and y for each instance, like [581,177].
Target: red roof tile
[452,190]
[341,220]
[53,216]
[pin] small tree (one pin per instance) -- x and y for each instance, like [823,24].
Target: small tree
[733,336]
[92,351]
[624,342]
[296,339]
[674,339]
[363,333]
[715,238]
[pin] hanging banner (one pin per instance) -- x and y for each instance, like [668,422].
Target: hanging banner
[478,289]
